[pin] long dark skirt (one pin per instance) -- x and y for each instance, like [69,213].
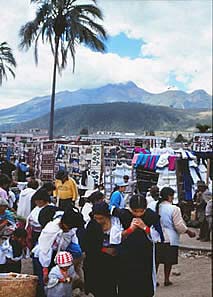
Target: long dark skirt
[166,254]
[101,276]
[134,283]
[136,266]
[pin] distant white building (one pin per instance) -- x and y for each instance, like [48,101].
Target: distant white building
[16,137]
[33,135]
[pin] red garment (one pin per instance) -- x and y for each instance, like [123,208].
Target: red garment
[172,162]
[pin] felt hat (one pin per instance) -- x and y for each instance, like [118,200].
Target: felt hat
[41,194]
[64,259]
[61,174]
[46,214]
[101,208]
[73,218]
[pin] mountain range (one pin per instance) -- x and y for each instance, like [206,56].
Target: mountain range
[118,116]
[123,92]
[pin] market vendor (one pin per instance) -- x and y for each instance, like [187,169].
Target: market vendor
[66,190]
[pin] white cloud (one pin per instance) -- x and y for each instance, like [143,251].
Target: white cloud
[177,33]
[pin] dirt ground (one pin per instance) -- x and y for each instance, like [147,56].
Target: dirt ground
[195,279]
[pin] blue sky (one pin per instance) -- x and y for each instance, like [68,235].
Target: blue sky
[174,83]
[124,46]
[152,43]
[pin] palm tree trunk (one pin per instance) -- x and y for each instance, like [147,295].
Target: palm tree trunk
[51,125]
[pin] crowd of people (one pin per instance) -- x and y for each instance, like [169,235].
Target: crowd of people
[112,247]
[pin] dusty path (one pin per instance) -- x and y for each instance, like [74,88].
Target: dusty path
[195,279]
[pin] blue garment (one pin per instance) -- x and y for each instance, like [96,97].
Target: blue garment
[117,200]
[8,215]
[139,160]
[156,160]
[187,182]
[23,167]
[8,154]
[158,228]
[75,250]
[145,158]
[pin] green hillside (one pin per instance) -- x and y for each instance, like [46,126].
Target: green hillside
[123,117]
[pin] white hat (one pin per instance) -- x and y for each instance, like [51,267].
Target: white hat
[64,259]
[122,184]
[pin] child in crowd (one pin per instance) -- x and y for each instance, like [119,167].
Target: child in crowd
[12,251]
[57,235]
[7,220]
[60,276]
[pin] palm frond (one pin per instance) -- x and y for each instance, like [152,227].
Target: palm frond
[71,48]
[7,61]
[11,71]
[63,56]
[90,39]
[89,9]
[36,48]
[98,28]
[28,34]
[6,54]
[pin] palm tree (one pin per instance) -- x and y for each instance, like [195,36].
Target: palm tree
[7,61]
[63,24]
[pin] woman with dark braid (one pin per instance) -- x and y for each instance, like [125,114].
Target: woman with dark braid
[136,253]
[172,225]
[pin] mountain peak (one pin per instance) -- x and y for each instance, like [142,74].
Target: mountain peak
[120,92]
[130,84]
[200,92]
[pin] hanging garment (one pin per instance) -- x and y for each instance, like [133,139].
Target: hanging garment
[187,181]
[163,161]
[146,166]
[139,160]
[154,161]
[172,162]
